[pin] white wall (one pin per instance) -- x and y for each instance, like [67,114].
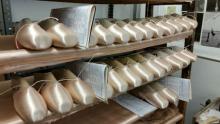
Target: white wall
[205,85]
[37,10]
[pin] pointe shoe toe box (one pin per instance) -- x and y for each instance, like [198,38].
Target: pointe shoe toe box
[32,36]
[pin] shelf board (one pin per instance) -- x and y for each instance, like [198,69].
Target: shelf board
[124,1]
[114,113]
[20,60]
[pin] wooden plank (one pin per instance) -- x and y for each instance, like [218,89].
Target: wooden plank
[175,119]
[18,60]
[124,1]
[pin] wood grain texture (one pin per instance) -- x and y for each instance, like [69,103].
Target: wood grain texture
[19,60]
[124,1]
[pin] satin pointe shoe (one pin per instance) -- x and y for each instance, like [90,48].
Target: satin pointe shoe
[186,53]
[121,35]
[31,36]
[179,28]
[81,92]
[110,91]
[159,32]
[150,64]
[118,83]
[125,73]
[148,33]
[60,34]
[165,92]
[93,41]
[178,55]
[56,96]
[152,96]
[105,37]
[28,103]
[186,26]
[170,30]
[170,58]
[137,68]
[192,22]
[136,35]
[160,61]
[186,19]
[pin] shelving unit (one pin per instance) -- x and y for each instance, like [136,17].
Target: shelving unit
[20,60]
[12,60]
[106,114]
[124,1]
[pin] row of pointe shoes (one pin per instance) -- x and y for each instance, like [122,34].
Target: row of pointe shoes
[109,31]
[49,32]
[138,69]
[156,94]
[43,34]
[57,92]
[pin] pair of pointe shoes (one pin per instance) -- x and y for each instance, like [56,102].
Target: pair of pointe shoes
[121,31]
[44,34]
[181,23]
[177,57]
[156,94]
[32,106]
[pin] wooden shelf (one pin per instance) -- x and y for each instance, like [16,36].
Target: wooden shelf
[124,1]
[19,60]
[114,113]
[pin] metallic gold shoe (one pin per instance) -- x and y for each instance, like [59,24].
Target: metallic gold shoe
[160,61]
[165,92]
[125,73]
[138,69]
[105,37]
[122,36]
[81,92]
[150,65]
[178,55]
[60,34]
[56,96]
[28,103]
[159,32]
[170,58]
[31,36]
[150,95]
[148,33]
[136,35]
[186,53]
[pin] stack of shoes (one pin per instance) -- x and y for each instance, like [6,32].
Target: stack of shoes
[58,92]
[49,32]
[137,69]
[44,34]
[156,94]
